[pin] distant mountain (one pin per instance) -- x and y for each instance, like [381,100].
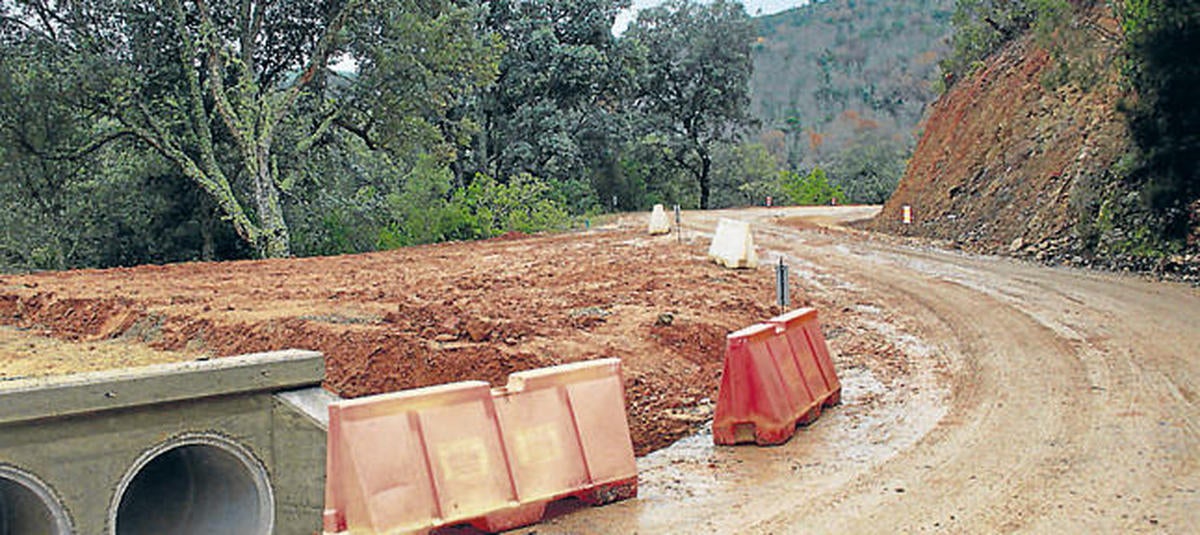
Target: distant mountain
[832,75]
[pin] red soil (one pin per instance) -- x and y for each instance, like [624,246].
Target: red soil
[428,315]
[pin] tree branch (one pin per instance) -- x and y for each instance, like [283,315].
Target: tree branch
[323,127]
[249,19]
[316,62]
[216,184]
[46,15]
[216,79]
[29,28]
[70,154]
[199,124]
[363,133]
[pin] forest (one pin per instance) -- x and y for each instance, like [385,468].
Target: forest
[175,130]
[179,130]
[842,86]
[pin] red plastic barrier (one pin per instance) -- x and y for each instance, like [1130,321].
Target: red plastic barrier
[803,331]
[461,453]
[566,434]
[405,461]
[777,374]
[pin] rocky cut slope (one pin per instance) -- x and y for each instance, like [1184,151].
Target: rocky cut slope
[1012,154]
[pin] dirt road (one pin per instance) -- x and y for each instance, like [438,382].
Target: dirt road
[1030,399]
[980,395]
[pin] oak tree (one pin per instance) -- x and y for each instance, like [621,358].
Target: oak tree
[230,90]
[694,81]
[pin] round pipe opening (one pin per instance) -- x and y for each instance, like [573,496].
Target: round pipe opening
[194,485]
[28,506]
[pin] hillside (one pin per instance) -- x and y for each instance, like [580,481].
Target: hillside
[1017,159]
[834,74]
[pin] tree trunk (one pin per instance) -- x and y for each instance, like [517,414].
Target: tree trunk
[274,240]
[705,186]
[208,241]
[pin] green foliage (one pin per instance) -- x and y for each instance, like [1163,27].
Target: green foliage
[545,115]
[524,204]
[1113,223]
[115,209]
[811,189]
[231,93]
[646,175]
[427,211]
[744,175]
[981,27]
[869,171]
[693,82]
[420,212]
[1165,117]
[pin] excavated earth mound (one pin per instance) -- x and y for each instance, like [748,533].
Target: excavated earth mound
[418,316]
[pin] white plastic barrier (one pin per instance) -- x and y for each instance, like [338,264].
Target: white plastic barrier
[659,224]
[732,245]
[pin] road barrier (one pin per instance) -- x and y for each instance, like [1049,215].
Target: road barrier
[659,224]
[460,453]
[777,374]
[565,432]
[402,461]
[733,245]
[803,331]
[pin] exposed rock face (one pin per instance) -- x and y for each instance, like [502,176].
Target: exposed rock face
[1004,155]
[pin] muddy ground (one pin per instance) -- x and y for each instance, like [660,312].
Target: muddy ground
[981,395]
[1027,400]
[428,315]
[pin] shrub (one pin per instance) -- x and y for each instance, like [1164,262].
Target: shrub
[981,27]
[811,189]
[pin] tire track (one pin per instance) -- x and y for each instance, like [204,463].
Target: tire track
[1070,405]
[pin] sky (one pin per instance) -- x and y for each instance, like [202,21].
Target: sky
[753,7]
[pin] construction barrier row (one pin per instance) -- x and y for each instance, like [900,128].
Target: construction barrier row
[777,374]
[460,453]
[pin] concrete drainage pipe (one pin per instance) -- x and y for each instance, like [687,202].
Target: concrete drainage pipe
[191,485]
[28,506]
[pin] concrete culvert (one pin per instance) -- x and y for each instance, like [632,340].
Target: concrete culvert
[27,507]
[195,485]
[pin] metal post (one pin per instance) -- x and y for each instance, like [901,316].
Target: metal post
[781,285]
[678,223]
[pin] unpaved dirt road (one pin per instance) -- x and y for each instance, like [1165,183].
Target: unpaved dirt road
[980,395]
[1032,400]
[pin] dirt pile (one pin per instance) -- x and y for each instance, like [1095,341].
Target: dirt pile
[428,315]
[1009,153]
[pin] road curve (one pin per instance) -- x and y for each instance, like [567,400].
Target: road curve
[1037,399]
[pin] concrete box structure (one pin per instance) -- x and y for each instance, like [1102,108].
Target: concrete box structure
[229,445]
